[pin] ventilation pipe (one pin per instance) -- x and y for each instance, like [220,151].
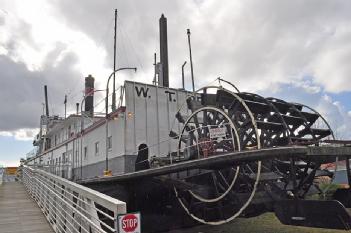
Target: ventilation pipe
[89,93]
[46,101]
[191,60]
[164,80]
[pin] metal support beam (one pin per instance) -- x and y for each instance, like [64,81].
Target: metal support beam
[107,172]
[232,159]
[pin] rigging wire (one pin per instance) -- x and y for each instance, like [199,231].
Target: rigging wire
[103,99]
[103,39]
[123,32]
[52,105]
[124,50]
[72,93]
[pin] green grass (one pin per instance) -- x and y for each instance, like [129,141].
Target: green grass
[265,223]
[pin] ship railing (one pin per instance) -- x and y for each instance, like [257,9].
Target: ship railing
[32,153]
[64,169]
[70,207]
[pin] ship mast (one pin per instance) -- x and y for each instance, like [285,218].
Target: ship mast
[114,65]
[44,121]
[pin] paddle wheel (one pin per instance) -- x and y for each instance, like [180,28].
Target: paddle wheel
[215,121]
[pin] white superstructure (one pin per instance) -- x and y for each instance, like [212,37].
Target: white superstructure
[147,117]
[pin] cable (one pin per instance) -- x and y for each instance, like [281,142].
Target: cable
[131,44]
[103,99]
[104,35]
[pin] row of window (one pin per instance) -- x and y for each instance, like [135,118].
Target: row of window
[64,134]
[58,160]
[96,147]
[64,160]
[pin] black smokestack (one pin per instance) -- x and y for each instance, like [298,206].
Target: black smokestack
[46,100]
[77,108]
[164,51]
[89,93]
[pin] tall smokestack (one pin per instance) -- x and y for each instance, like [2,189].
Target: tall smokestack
[164,81]
[89,93]
[46,100]
[77,108]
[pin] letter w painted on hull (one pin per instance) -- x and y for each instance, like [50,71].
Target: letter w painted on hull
[141,90]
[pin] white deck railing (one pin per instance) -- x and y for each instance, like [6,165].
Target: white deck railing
[70,207]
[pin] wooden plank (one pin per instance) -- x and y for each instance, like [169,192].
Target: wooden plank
[19,213]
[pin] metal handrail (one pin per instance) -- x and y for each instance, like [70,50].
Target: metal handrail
[78,199]
[53,201]
[70,207]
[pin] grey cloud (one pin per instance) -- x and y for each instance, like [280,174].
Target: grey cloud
[52,56]
[22,91]
[275,41]
[255,44]
[252,43]
[22,31]
[137,29]
[2,20]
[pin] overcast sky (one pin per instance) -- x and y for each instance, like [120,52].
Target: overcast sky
[296,50]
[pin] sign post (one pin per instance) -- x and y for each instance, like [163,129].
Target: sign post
[129,223]
[217,132]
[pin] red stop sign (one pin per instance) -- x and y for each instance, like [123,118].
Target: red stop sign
[129,223]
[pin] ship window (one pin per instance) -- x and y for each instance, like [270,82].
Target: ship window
[109,142]
[85,152]
[96,148]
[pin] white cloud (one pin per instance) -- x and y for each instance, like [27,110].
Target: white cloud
[307,86]
[255,44]
[21,134]
[6,134]
[327,98]
[9,163]
[37,34]
[337,116]
[258,45]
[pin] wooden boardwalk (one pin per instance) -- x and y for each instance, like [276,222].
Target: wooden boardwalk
[18,212]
